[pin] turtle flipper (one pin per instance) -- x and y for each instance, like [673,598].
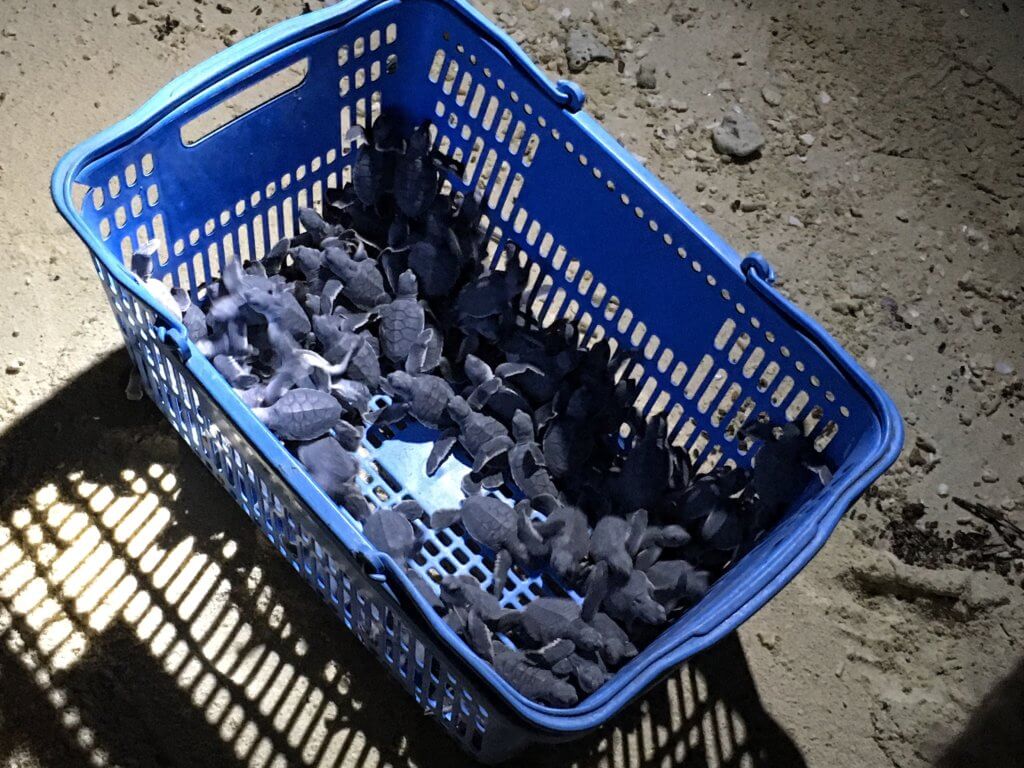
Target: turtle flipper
[502,563]
[440,452]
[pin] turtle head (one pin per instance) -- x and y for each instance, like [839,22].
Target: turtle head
[522,427]
[408,287]
[400,383]
[477,370]
[459,408]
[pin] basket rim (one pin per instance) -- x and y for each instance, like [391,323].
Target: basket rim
[785,562]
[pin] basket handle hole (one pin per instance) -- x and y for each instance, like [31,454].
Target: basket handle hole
[244,102]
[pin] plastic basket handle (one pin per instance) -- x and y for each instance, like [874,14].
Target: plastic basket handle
[212,72]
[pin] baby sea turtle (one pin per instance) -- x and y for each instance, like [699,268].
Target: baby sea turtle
[488,391]
[374,167]
[644,477]
[142,265]
[436,268]
[488,300]
[416,177]
[567,533]
[310,262]
[360,349]
[616,541]
[616,646]
[630,601]
[785,463]
[677,582]
[505,530]
[465,592]
[551,618]
[526,465]
[330,465]
[531,680]
[485,439]
[567,445]
[192,317]
[390,530]
[362,283]
[294,365]
[402,320]
[301,414]
[478,635]
[424,397]
[313,223]
[588,675]
[274,259]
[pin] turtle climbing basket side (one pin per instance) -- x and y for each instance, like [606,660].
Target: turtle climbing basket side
[218,163]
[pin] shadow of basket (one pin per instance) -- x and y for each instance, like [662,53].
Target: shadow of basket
[145,621]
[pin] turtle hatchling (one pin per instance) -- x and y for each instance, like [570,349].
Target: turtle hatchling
[489,391]
[330,465]
[531,680]
[550,618]
[465,592]
[497,526]
[484,438]
[416,177]
[301,414]
[568,534]
[390,531]
[402,320]
[362,282]
[424,397]
[526,464]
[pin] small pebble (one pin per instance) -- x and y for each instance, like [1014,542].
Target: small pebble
[793,221]
[942,490]
[737,136]
[1004,368]
[824,98]
[725,85]
[1012,221]
[583,47]
[916,457]
[769,641]
[901,215]
[807,139]
[13,367]
[989,475]
[647,77]
[771,96]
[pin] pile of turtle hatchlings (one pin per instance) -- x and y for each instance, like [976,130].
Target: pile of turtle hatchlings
[387,293]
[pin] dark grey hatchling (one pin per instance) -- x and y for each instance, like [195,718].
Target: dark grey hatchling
[505,530]
[301,414]
[362,282]
[391,531]
[423,397]
[402,321]
[484,438]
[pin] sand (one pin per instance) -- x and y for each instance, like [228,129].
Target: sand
[142,620]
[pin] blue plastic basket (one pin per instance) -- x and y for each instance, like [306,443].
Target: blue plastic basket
[608,245]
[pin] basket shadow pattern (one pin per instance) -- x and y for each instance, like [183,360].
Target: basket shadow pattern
[606,245]
[143,622]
